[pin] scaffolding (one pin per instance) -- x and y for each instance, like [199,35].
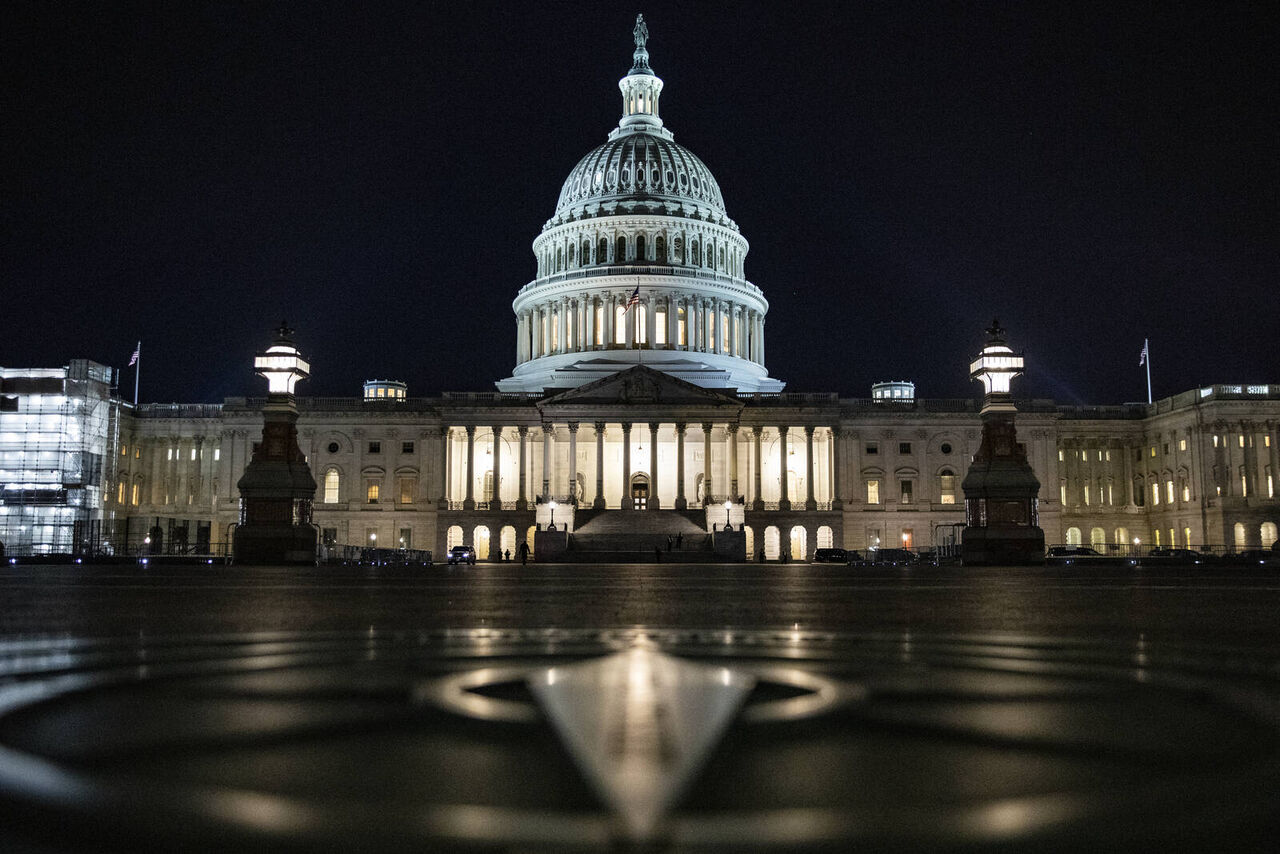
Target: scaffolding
[56,440]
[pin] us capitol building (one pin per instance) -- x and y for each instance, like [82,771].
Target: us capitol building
[639,407]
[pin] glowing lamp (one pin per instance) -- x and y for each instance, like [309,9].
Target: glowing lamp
[995,368]
[282,364]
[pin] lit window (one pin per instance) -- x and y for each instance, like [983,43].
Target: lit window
[1266,441]
[873,492]
[682,328]
[1271,487]
[1085,492]
[906,490]
[619,324]
[371,491]
[1108,456]
[1182,444]
[133,498]
[1186,491]
[660,326]
[124,450]
[193,453]
[1244,486]
[170,455]
[1062,493]
[1186,537]
[947,487]
[120,493]
[1157,535]
[1155,493]
[137,452]
[1110,494]
[1168,491]
[217,454]
[407,486]
[331,483]
[1061,456]
[1242,440]
[1215,441]
[1153,450]
[1099,456]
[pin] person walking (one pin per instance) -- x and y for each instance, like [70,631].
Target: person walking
[524,553]
[680,540]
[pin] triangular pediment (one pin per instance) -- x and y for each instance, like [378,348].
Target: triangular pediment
[641,386]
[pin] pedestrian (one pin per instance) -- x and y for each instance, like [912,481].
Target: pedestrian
[668,542]
[506,555]
[524,553]
[680,540]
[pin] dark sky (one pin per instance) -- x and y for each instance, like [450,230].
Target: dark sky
[1093,173]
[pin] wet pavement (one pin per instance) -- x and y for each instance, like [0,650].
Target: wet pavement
[744,708]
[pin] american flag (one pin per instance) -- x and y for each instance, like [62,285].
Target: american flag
[634,300]
[137,353]
[1142,357]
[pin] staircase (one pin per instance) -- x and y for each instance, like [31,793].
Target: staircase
[630,536]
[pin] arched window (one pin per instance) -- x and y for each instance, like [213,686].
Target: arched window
[722,257]
[798,543]
[507,541]
[677,250]
[751,542]
[571,254]
[481,542]
[660,248]
[332,483]
[585,258]
[1239,535]
[528,537]
[711,256]
[453,537]
[641,249]
[602,251]
[559,259]
[825,537]
[947,487]
[619,324]
[1073,536]
[1268,532]
[620,250]
[695,256]
[772,547]
[1097,538]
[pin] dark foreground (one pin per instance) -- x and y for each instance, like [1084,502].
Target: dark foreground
[218,709]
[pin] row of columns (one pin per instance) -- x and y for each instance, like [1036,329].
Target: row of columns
[681,502]
[578,328]
[556,260]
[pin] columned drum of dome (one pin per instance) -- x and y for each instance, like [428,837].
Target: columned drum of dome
[640,264]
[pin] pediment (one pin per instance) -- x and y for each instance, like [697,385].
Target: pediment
[643,386]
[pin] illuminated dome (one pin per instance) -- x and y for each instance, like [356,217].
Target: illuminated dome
[641,173]
[640,264]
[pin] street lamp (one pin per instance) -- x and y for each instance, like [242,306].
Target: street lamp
[727,505]
[552,526]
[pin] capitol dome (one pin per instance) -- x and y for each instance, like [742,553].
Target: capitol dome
[640,173]
[640,264]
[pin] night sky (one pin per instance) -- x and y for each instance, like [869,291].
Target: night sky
[1091,173]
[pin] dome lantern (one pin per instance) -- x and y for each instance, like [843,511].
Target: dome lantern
[640,88]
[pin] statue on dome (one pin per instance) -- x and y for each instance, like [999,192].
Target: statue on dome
[641,32]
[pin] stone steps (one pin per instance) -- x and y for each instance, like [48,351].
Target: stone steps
[653,522]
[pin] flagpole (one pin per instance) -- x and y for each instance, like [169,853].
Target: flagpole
[137,369]
[1146,348]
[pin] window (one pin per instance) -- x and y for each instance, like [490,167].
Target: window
[1266,441]
[1156,532]
[332,481]
[1186,537]
[1166,449]
[137,452]
[120,492]
[1155,494]
[906,491]
[1153,450]
[124,450]
[904,447]
[1062,493]
[193,453]
[873,492]
[1186,490]
[1244,485]
[1108,456]
[947,487]
[217,454]
[1182,444]
[407,487]
[133,497]
[946,447]
[1085,492]
[873,448]
[406,447]
[170,455]
[1168,491]
[371,489]
[371,536]
[406,534]
[1242,440]
[660,325]
[375,447]
[682,328]
[1215,441]
[619,324]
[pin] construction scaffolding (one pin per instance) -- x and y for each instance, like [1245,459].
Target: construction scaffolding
[57,429]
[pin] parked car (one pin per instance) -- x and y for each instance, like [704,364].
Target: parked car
[1073,551]
[830,556]
[892,557]
[462,554]
[1187,556]
[1265,557]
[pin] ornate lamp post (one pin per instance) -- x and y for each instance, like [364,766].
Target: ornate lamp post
[1000,490]
[552,525]
[277,488]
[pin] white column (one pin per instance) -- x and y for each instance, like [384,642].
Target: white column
[810,502]
[608,320]
[681,503]
[572,481]
[564,325]
[599,502]
[626,465]
[716,319]
[547,439]
[496,502]
[673,322]
[784,502]
[522,501]
[651,319]
[469,503]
